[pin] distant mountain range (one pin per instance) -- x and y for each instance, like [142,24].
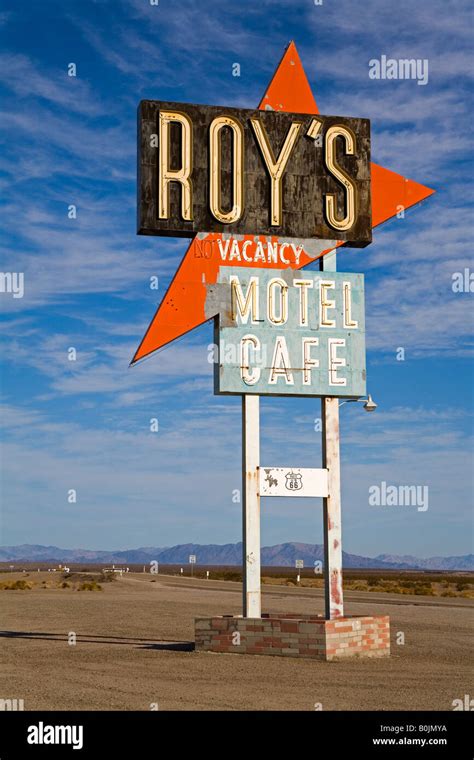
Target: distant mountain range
[281,555]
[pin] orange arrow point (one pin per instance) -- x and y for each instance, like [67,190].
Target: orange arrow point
[183,307]
[392,193]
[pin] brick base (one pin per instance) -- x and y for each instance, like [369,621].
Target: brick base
[295,636]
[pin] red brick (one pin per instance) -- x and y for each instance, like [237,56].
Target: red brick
[289,627]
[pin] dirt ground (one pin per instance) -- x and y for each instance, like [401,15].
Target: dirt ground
[135,649]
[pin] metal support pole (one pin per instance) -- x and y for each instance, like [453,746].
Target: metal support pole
[334,603]
[251,506]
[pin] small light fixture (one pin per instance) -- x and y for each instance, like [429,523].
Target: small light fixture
[369,403]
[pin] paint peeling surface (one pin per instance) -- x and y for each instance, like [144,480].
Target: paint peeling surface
[334,603]
[289,333]
[238,169]
[336,594]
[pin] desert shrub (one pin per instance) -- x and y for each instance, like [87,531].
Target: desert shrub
[273,581]
[424,591]
[78,578]
[107,577]
[65,584]
[229,575]
[90,586]
[19,585]
[357,586]
[449,592]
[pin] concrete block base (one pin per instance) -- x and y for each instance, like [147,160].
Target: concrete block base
[295,636]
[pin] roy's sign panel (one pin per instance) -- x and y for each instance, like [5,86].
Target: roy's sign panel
[289,333]
[240,171]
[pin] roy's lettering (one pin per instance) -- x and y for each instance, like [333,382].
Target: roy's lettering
[240,171]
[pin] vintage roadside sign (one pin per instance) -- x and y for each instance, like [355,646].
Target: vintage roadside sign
[223,169]
[265,193]
[287,333]
[299,564]
[288,100]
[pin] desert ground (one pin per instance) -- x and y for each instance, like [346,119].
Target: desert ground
[134,650]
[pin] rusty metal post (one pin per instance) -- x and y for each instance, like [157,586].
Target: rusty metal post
[251,506]
[334,604]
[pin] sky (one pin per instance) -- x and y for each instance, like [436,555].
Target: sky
[85,424]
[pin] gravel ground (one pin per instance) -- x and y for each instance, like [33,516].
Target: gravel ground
[135,648]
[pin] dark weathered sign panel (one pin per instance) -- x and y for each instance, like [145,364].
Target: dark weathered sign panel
[240,171]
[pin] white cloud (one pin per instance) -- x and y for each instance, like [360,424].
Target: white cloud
[28,79]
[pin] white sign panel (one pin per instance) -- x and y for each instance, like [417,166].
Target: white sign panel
[293,481]
[192,559]
[299,564]
[287,333]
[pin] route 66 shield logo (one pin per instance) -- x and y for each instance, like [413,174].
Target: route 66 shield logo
[294,481]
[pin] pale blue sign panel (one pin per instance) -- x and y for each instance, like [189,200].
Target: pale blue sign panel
[290,332]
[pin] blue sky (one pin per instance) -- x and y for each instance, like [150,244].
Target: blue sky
[84,425]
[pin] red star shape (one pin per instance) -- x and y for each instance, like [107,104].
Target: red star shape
[182,308]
